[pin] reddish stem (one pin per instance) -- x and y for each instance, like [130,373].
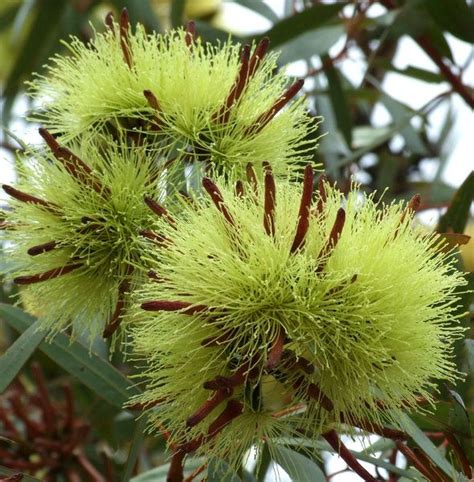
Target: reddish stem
[332,438]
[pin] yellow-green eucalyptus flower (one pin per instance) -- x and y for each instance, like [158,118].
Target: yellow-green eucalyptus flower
[287,314]
[76,227]
[223,105]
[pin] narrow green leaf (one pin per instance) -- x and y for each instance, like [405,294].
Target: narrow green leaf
[259,7]
[411,71]
[455,16]
[399,113]
[43,33]
[425,444]
[18,354]
[379,462]
[94,372]
[455,218]
[220,471]
[313,42]
[339,101]
[414,19]
[177,12]
[309,19]
[298,467]
[135,446]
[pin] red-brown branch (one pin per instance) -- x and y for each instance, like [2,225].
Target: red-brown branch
[456,82]
[333,440]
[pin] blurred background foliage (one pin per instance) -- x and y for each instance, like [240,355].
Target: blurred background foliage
[405,154]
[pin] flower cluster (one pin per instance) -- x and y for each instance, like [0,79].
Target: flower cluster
[222,105]
[258,300]
[290,314]
[78,225]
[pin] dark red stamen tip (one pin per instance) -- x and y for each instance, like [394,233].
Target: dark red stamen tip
[305,210]
[151,99]
[217,199]
[236,379]
[109,21]
[116,317]
[49,139]
[269,202]
[258,55]
[265,118]
[208,406]
[42,248]
[238,87]
[239,189]
[159,210]
[252,178]
[190,35]
[180,306]
[47,275]
[412,206]
[276,351]
[124,40]
[333,238]
[155,276]
[28,198]
[155,237]
[291,362]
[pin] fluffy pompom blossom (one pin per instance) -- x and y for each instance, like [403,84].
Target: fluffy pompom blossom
[285,313]
[222,105]
[76,228]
